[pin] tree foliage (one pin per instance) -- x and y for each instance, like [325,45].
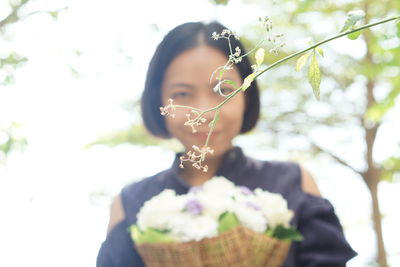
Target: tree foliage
[10,61]
[358,93]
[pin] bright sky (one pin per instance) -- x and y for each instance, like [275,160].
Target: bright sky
[46,193]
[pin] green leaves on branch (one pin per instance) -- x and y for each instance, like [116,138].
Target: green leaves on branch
[352,18]
[354,35]
[314,73]
[350,24]
[220,2]
[302,61]
[215,120]
[314,76]
[320,51]
[259,56]
[247,81]
[379,109]
[391,166]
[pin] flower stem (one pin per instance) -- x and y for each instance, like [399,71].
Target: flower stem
[323,42]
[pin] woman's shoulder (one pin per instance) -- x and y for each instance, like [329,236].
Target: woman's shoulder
[276,176]
[284,176]
[134,194]
[122,204]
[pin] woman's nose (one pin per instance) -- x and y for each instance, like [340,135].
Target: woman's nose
[206,101]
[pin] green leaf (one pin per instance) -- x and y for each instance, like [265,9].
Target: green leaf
[227,221]
[387,176]
[150,235]
[247,81]
[54,14]
[230,82]
[221,2]
[283,233]
[378,110]
[215,120]
[352,18]
[314,76]
[221,73]
[391,166]
[260,53]
[302,61]
[354,35]
[136,234]
[320,51]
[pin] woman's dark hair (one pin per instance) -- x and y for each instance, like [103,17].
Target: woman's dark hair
[178,40]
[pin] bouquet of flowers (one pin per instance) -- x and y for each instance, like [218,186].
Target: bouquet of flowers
[216,224]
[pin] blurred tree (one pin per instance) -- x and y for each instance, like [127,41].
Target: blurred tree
[361,83]
[10,60]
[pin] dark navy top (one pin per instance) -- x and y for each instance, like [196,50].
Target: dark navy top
[324,243]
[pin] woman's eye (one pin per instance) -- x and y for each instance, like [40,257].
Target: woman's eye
[226,91]
[179,95]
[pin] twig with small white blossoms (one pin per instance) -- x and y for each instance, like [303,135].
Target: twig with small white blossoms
[168,109]
[272,38]
[197,156]
[197,121]
[236,57]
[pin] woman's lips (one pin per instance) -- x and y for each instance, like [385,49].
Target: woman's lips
[203,136]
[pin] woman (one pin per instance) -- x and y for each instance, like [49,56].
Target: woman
[180,70]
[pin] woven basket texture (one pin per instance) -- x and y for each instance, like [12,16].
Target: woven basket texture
[239,247]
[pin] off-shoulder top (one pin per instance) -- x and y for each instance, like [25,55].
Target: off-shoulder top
[324,243]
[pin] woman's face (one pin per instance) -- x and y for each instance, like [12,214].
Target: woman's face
[187,82]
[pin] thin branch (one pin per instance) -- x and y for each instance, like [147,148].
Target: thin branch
[335,157]
[325,41]
[13,14]
[320,149]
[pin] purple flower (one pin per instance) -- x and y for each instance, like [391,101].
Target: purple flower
[245,190]
[253,205]
[194,207]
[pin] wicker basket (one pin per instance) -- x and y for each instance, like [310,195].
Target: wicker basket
[239,247]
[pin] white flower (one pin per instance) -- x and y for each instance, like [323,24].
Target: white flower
[219,186]
[214,205]
[251,218]
[187,227]
[156,212]
[216,196]
[274,206]
[195,215]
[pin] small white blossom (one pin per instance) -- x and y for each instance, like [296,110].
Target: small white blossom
[215,36]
